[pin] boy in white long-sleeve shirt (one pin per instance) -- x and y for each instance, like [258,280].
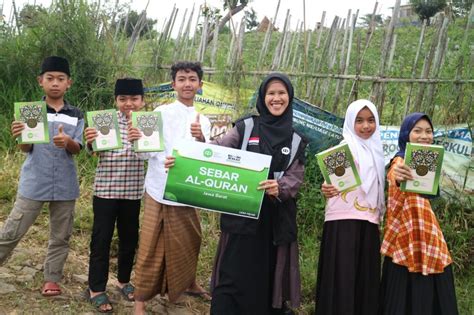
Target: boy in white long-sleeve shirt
[170,237]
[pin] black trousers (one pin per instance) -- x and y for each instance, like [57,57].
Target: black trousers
[106,213]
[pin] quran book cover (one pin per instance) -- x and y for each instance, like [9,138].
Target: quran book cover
[106,124]
[338,167]
[150,125]
[425,162]
[35,117]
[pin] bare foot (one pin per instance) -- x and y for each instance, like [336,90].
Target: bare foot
[139,308]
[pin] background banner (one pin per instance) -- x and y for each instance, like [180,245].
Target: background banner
[324,129]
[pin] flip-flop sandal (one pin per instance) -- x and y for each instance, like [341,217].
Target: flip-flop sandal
[50,289]
[126,291]
[98,301]
[204,295]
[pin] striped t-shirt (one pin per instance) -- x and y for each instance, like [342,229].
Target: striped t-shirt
[120,174]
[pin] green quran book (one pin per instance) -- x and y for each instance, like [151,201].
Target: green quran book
[106,123]
[35,117]
[150,125]
[425,162]
[338,167]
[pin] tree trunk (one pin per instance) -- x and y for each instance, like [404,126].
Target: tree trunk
[224,20]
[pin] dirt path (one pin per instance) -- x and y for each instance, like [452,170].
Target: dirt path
[21,279]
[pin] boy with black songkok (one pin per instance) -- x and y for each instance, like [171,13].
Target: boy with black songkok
[118,189]
[48,175]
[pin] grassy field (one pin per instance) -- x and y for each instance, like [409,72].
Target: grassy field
[31,251]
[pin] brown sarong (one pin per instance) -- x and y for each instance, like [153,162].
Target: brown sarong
[170,240]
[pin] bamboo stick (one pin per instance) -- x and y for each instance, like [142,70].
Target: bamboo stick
[268,36]
[363,78]
[414,66]
[342,63]
[321,27]
[427,67]
[195,33]
[437,64]
[178,40]
[360,60]
[215,44]
[279,47]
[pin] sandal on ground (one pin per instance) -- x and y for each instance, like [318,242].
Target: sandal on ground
[126,290]
[50,288]
[204,295]
[99,301]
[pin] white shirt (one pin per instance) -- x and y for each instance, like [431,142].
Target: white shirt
[177,119]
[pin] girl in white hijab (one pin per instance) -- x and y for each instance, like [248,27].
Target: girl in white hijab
[349,261]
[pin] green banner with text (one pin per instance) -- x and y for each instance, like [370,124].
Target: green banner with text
[217,178]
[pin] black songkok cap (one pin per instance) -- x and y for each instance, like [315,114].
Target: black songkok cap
[55,63]
[128,86]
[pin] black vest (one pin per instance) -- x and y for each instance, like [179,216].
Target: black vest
[283,212]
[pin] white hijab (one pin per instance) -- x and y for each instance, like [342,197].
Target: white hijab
[368,153]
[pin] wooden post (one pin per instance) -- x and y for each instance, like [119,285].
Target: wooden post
[268,36]
[215,43]
[378,89]
[280,45]
[460,64]
[191,48]
[360,56]
[321,27]
[342,63]
[438,60]
[202,45]
[186,37]
[427,67]
[177,42]
[414,66]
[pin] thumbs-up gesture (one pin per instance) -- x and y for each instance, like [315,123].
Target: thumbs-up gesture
[61,139]
[196,131]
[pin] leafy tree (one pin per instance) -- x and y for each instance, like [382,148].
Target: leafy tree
[30,15]
[251,19]
[365,20]
[425,9]
[132,18]
[461,7]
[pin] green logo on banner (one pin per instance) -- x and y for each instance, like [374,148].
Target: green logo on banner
[207,153]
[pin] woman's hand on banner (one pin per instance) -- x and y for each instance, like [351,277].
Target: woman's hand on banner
[270,186]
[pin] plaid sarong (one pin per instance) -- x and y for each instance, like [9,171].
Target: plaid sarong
[170,239]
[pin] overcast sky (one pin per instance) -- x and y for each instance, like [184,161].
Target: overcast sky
[161,9]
